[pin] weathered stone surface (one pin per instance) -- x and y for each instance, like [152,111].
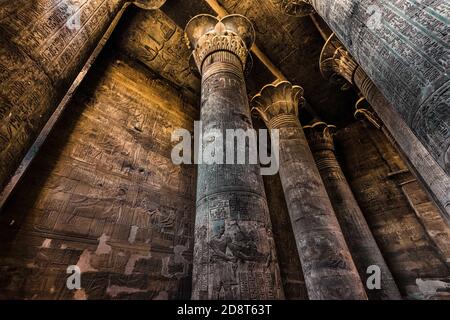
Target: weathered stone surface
[403,47]
[104,195]
[288,260]
[328,267]
[368,161]
[234,253]
[44,45]
[359,238]
[419,158]
[337,65]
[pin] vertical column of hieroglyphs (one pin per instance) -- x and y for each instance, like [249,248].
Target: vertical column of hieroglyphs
[403,45]
[234,252]
[328,268]
[364,249]
[44,44]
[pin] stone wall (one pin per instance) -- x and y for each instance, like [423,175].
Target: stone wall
[103,194]
[44,45]
[415,259]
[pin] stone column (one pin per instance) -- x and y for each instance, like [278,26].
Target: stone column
[337,65]
[234,251]
[364,249]
[44,46]
[327,265]
[403,47]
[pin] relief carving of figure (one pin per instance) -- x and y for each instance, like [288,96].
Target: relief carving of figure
[235,244]
[219,243]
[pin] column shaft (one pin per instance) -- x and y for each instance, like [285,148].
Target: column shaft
[234,251]
[359,238]
[327,265]
[328,268]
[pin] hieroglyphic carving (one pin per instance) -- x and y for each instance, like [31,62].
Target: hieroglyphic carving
[300,43]
[107,197]
[328,268]
[41,53]
[403,47]
[234,249]
[425,210]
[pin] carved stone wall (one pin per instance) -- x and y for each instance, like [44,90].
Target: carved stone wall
[44,44]
[104,195]
[417,264]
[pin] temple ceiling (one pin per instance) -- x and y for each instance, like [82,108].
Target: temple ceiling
[292,44]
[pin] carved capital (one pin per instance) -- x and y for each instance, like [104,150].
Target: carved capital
[207,34]
[320,135]
[149,4]
[363,111]
[296,8]
[336,64]
[278,104]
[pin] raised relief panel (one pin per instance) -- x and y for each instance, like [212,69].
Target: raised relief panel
[107,197]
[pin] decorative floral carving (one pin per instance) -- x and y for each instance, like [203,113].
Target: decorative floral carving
[206,34]
[336,64]
[320,135]
[282,99]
